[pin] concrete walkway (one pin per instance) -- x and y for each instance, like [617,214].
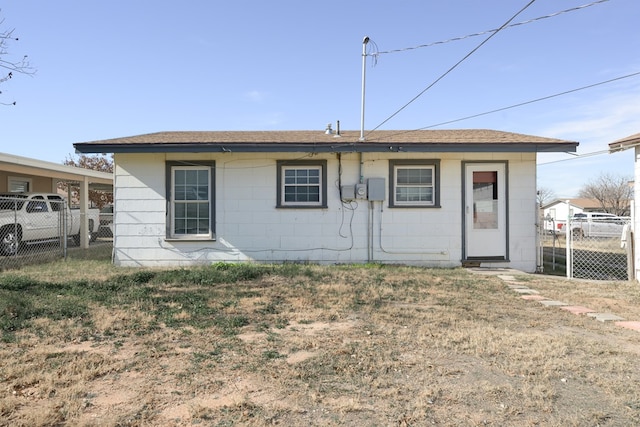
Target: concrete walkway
[509,277]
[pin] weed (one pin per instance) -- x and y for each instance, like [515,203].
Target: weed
[281,322]
[215,274]
[230,324]
[271,354]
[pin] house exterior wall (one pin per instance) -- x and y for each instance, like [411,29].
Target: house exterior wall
[249,226]
[38,183]
[635,214]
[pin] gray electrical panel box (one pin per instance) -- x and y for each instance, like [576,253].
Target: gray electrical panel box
[376,189]
[348,192]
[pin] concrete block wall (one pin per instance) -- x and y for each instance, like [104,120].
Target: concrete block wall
[249,226]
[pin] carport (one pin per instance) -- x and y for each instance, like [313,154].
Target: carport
[26,174]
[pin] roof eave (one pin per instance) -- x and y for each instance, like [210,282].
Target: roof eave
[358,147]
[622,146]
[624,143]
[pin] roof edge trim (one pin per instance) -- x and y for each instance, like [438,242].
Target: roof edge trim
[359,147]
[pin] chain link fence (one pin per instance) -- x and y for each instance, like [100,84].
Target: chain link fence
[36,229]
[597,247]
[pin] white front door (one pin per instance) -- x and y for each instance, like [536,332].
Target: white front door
[485,211]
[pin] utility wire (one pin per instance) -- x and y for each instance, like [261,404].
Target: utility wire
[544,98]
[481,33]
[536,100]
[454,66]
[580,156]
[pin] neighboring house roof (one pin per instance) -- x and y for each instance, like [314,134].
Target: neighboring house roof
[582,203]
[624,143]
[586,203]
[561,201]
[467,140]
[29,166]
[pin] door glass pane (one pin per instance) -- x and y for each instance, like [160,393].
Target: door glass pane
[485,200]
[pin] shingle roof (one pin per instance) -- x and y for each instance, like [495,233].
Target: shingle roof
[625,143]
[582,203]
[318,141]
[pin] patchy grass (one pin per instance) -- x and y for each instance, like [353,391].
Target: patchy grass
[307,345]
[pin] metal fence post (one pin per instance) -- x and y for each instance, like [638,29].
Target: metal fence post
[65,229]
[568,236]
[628,244]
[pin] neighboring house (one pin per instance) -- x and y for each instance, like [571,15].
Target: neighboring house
[23,174]
[440,198]
[561,209]
[558,210]
[633,142]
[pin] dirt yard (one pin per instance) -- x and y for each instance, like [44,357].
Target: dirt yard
[314,346]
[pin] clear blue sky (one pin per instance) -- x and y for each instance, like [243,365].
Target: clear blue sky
[119,68]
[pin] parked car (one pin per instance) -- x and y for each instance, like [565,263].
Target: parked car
[106,221]
[595,224]
[38,217]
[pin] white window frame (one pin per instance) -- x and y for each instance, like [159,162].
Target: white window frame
[172,167]
[19,180]
[284,166]
[432,165]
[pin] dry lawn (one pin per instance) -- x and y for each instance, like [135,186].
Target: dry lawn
[303,345]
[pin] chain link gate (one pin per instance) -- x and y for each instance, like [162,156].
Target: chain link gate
[597,251]
[587,246]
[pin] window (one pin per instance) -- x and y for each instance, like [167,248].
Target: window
[37,204]
[302,184]
[191,201]
[56,202]
[414,183]
[12,202]
[19,185]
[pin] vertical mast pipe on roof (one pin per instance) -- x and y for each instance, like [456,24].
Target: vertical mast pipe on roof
[364,68]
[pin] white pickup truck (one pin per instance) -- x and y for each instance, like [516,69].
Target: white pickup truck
[595,224]
[38,217]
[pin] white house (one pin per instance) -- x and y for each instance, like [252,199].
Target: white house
[557,211]
[440,198]
[560,210]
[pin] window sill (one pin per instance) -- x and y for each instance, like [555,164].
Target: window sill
[415,206]
[190,239]
[300,207]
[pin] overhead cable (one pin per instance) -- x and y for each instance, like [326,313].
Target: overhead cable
[481,33]
[455,65]
[520,104]
[534,100]
[577,156]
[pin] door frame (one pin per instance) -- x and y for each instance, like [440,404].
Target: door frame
[505,164]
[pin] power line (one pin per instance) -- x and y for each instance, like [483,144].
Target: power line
[454,66]
[481,33]
[533,100]
[576,157]
[520,104]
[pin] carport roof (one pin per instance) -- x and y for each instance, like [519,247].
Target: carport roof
[34,167]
